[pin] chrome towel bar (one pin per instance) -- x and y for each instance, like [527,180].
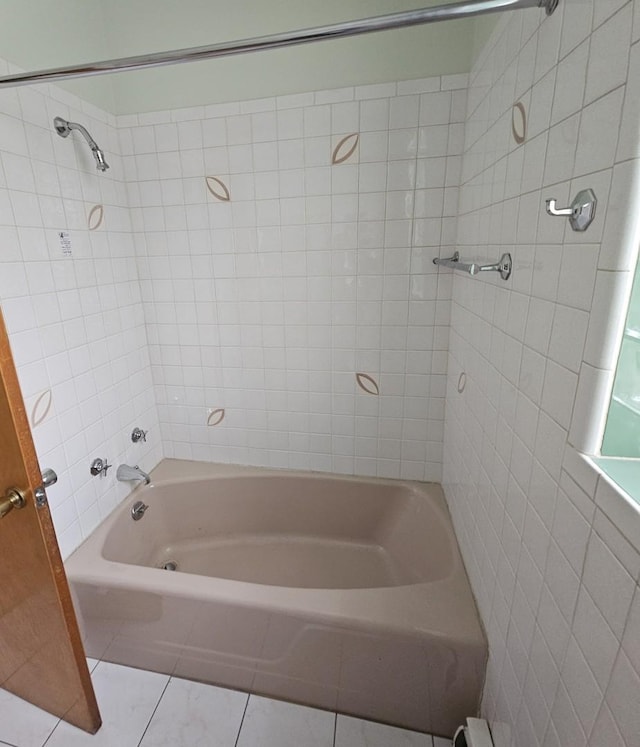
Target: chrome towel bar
[504,265]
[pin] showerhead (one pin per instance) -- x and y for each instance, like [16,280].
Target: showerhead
[102,165]
[63,128]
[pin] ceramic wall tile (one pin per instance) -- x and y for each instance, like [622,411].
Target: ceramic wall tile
[321,189]
[71,297]
[542,382]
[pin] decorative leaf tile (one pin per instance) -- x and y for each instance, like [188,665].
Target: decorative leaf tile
[345,148]
[96,216]
[216,416]
[218,188]
[519,123]
[367,383]
[41,408]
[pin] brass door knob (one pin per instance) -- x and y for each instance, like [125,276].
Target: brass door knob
[14,498]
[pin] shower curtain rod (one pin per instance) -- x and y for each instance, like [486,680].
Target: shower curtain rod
[275,41]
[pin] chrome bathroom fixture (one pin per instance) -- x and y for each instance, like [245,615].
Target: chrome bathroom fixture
[126,473]
[504,265]
[581,212]
[137,434]
[138,509]
[49,478]
[63,128]
[446,12]
[99,467]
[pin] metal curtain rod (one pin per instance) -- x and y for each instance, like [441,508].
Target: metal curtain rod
[275,41]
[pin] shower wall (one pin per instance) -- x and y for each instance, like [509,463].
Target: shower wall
[72,303]
[550,550]
[285,247]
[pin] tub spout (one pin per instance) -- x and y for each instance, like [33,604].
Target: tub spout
[126,473]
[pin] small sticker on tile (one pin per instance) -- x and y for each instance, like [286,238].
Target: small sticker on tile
[65,243]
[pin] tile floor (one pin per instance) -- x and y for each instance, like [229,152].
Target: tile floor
[145,709]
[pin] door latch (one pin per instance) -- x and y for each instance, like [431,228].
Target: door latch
[49,478]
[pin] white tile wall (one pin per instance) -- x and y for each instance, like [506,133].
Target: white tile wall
[554,578]
[75,322]
[268,304]
[265,306]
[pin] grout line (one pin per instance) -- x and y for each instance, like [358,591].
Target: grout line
[146,728]
[244,713]
[52,730]
[335,728]
[51,733]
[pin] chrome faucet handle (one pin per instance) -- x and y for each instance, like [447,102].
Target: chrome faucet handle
[138,435]
[99,467]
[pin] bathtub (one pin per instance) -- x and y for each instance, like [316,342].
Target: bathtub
[341,593]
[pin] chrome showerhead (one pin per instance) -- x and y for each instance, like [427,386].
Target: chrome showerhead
[63,128]
[99,156]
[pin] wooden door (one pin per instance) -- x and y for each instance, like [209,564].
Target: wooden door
[41,654]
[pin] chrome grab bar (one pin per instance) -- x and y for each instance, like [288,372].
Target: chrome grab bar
[504,265]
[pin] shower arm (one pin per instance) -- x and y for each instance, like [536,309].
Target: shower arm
[459,10]
[63,128]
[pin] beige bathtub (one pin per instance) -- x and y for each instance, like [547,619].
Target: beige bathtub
[341,593]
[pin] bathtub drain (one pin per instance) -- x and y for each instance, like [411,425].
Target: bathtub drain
[170,565]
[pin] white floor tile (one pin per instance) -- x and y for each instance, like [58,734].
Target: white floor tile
[92,663]
[22,724]
[271,723]
[440,742]
[126,698]
[354,732]
[196,715]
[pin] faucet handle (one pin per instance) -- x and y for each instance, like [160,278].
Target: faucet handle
[138,435]
[99,467]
